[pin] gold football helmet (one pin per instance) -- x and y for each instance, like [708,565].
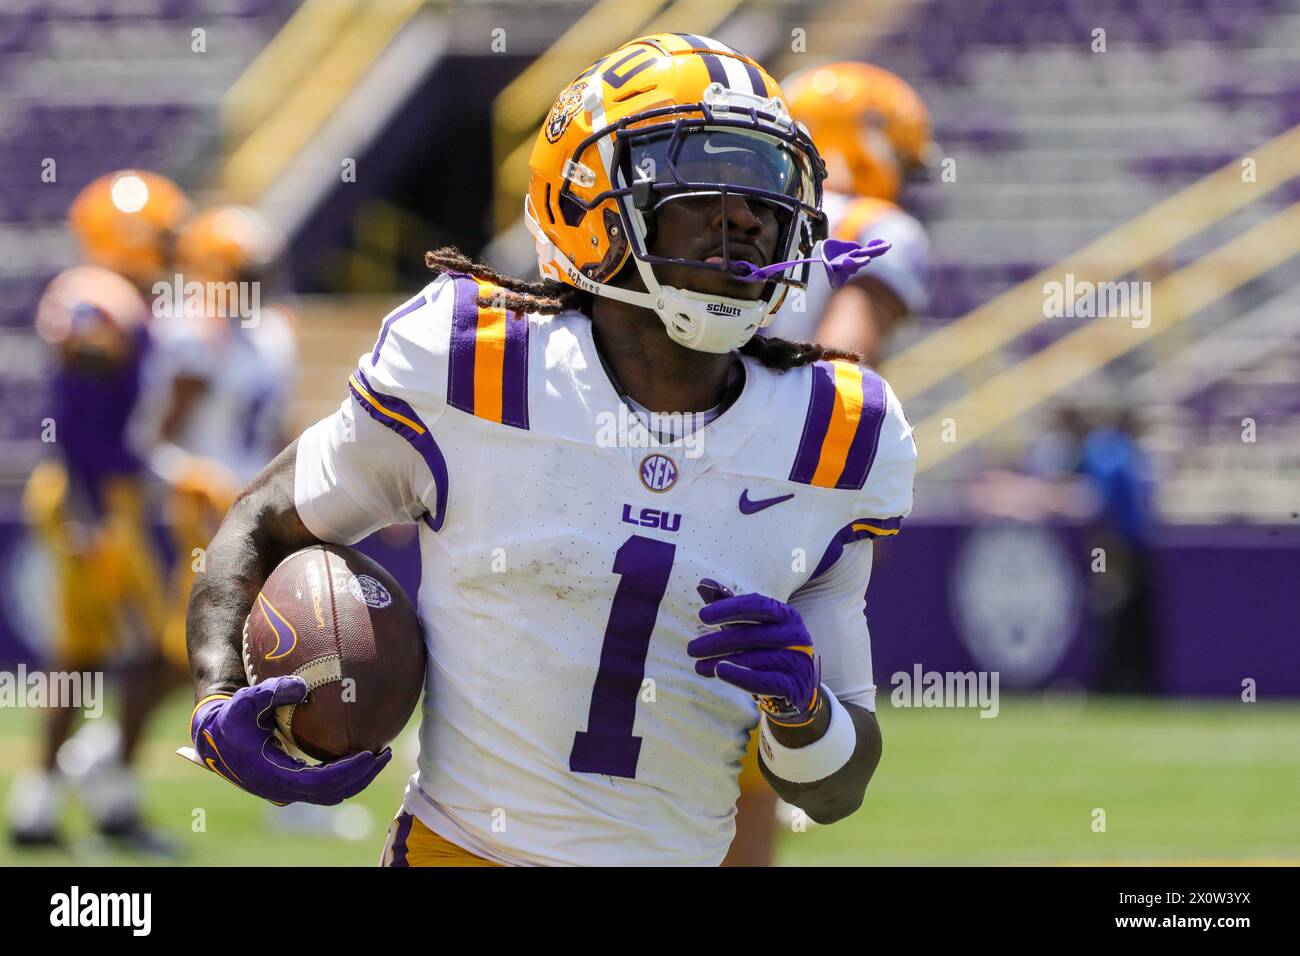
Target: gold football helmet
[664,117]
[871,127]
[127,221]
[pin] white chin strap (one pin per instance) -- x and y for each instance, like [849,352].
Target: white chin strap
[700,321]
[697,320]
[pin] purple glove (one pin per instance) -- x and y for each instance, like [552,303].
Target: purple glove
[233,738]
[764,648]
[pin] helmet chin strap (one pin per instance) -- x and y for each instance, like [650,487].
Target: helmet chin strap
[700,320]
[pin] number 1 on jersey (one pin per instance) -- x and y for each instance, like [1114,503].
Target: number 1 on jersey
[607,745]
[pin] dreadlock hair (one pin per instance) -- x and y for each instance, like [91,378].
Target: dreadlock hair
[545,297]
[551,297]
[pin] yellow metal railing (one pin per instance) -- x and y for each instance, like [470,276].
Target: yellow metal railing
[325,75]
[1073,358]
[982,333]
[312,29]
[521,107]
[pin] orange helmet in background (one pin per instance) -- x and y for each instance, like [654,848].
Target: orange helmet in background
[227,243]
[127,221]
[663,117]
[870,126]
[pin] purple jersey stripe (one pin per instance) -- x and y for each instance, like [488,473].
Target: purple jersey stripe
[421,440]
[388,322]
[862,451]
[833,551]
[464,332]
[404,821]
[847,535]
[514,375]
[815,424]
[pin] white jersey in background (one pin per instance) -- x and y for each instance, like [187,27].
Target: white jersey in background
[248,374]
[563,720]
[904,269]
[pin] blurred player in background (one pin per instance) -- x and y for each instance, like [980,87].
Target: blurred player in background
[873,132]
[88,505]
[222,373]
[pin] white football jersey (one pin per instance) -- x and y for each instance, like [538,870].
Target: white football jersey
[904,269]
[561,549]
[249,377]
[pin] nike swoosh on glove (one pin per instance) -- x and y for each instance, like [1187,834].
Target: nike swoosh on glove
[233,737]
[762,647]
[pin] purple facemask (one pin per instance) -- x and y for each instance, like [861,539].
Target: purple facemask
[840,257]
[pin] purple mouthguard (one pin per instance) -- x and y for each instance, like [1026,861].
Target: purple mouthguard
[841,258]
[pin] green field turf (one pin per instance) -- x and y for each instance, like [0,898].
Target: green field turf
[1179,783]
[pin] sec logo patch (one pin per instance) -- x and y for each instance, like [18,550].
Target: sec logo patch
[658,472]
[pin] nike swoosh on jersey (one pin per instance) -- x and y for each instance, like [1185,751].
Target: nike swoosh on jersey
[748,507]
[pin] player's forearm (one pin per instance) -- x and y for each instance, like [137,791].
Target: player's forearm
[260,530]
[833,797]
[861,318]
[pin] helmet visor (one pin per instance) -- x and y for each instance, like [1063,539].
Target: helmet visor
[709,161]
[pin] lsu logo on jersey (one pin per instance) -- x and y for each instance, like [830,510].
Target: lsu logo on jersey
[658,472]
[651,518]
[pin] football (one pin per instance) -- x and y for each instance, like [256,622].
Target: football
[335,618]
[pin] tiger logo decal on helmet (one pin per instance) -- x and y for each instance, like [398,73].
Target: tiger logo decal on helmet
[568,103]
[663,117]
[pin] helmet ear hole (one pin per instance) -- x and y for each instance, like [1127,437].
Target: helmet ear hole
[571,210]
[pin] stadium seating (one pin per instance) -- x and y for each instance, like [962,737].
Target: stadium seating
[96,86]
[1055,145]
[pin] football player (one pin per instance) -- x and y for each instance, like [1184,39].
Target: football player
[873,132]
[88,506]
[223,373]
[602,609]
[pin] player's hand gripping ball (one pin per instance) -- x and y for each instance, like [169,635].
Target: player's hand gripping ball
[335,659]
[234,737]
[762,647]
[338,620]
